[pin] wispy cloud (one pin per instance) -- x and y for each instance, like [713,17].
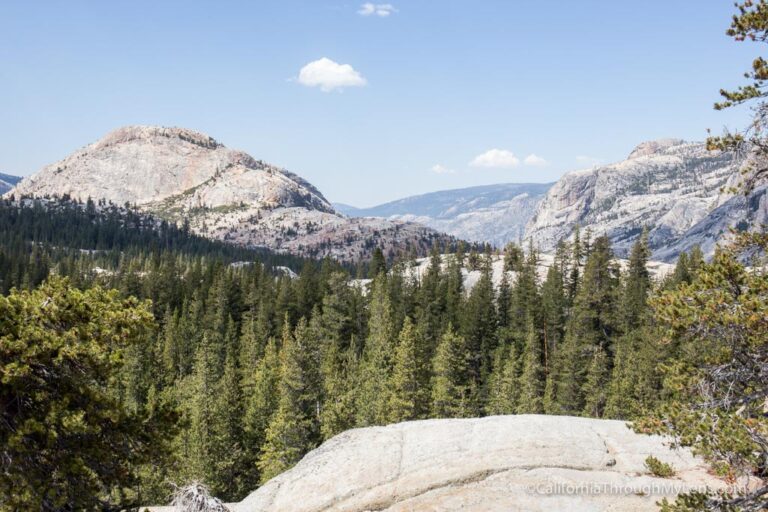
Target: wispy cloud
[534,160]
[380,10]
[496,159]
[589,161]
[440,169]
[329,75]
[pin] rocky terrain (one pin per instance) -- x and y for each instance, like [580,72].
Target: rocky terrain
[186,176]
[416,270]
[493,213]
[7,182]
[499,463]
[678,190]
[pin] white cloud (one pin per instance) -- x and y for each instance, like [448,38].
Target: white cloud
[329,75]
[496,158]
[589,161]
[535,161]
[381,10]
[440,169]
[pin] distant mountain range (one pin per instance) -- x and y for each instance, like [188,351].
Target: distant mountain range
[677,190]
[186,176]
[490,213]
[7,182]
[682,193]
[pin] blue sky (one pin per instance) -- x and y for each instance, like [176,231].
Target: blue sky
[434,95]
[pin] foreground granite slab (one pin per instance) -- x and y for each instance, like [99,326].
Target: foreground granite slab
[500,463]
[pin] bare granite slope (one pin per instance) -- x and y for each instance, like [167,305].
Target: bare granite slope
[186,176]
[500,463]
[670,186]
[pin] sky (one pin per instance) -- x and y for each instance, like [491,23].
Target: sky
[372,101]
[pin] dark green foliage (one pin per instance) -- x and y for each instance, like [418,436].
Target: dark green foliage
[263,367]
[750,23]
[294,428]
[714,379]
[69,442]
[532,377]
[409,391]
[451,391]
[504,382]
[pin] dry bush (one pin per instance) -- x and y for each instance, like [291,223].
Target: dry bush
[196,498]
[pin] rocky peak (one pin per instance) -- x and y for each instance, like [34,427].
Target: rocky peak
[653,147]
[151,164]
[671,187]
[186,176]
[149,133]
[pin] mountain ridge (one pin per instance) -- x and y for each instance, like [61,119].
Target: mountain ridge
[7,182]
[182,175]
[667,186]
[485,213]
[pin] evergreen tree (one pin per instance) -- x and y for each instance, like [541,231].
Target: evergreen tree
[453,287]
[340,374]
[378,264]
[408,398]
[595,387]
[376,365]
[592,325]
[635,385]
[636,286]
[450,389]
[714,383]
[293,430]
[261,405]
[68,441]
[633,382]
[255,331]
[504,301]
[339,358]
[504,390]
[172,343]
[576,263]
[230,464]
[479,330]
[432,302]
[553,305]
[532,378]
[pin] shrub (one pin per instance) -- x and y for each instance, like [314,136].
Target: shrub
[658,468]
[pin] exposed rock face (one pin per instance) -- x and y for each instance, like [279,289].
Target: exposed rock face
[183,175]
[657,269]
[148,164]
[678,190]
[491,213]
[501,463]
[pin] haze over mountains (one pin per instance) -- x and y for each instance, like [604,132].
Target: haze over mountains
[7,182]
[491,213]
